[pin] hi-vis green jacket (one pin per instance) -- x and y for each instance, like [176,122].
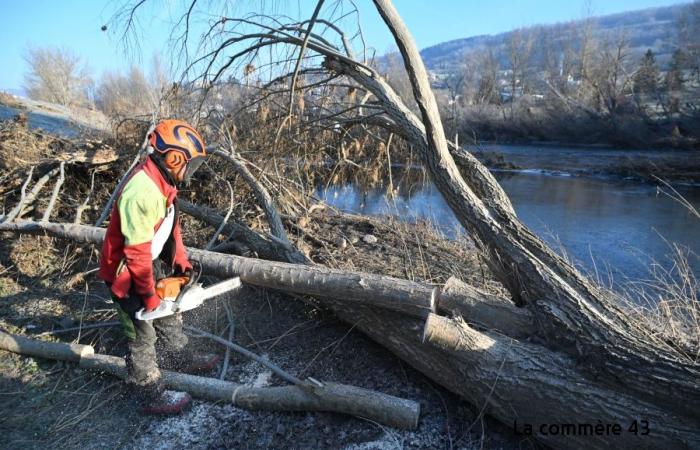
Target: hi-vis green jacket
[143,227]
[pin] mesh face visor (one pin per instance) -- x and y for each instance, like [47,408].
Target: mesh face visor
[192,167]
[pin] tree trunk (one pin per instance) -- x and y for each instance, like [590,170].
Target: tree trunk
[331,397]
[517,376]
[403,296]
[572,314]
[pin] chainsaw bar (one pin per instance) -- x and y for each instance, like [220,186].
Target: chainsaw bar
[190,297]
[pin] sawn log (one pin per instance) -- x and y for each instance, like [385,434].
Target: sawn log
[331,397]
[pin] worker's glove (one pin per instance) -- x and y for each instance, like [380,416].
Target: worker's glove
[182,267]
[151,302]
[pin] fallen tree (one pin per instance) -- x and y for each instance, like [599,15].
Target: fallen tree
[328,397]
[403,296]
[514,381]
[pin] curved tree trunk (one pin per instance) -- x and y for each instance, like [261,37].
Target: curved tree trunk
[573,315]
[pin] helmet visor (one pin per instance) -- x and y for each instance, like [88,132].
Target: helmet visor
[192,167]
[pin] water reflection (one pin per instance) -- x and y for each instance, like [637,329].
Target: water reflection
[619,225]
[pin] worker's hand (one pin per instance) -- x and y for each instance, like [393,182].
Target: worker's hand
[151,302]
[182,267]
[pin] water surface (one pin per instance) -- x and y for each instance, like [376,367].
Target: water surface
[620,225]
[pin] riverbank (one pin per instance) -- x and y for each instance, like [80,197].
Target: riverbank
[63,116]
[50,286]
[680,167]
[531,123]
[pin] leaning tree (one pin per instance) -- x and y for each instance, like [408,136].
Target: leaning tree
[558,350]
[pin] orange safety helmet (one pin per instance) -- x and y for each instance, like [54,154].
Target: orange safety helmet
[179,145]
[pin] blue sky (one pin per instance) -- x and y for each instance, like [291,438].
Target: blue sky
[75,24]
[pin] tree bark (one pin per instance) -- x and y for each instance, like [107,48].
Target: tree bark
[572,314]
[547,390]
[331,397]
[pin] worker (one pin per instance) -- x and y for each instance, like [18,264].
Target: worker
[143,244]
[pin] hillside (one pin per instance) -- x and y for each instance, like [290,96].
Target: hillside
[653,28]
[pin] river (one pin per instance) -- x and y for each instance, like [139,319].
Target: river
[610,225]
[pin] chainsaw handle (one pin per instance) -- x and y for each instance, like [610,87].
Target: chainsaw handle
[192,274]
[196,272]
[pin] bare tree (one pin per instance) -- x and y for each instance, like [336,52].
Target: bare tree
[56,75]
[586,41]
[610,77]
[487,90]
[135,93]
[519,50]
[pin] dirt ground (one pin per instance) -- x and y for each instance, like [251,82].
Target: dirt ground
[48,404]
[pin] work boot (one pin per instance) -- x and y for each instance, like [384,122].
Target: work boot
[167,403]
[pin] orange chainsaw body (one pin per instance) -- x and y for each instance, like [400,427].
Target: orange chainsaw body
[170,287]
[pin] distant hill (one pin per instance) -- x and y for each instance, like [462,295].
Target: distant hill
[653,28]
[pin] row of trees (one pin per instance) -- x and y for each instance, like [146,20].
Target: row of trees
[540,80]
[566,81]
[59,76]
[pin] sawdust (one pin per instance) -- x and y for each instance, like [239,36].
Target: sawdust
[197,428]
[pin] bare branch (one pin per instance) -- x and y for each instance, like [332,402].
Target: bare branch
[54,194]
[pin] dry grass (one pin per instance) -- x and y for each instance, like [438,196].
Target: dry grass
[34,256]
[10,100]
[20,148]
[666,303]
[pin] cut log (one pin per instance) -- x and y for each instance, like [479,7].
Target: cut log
[49,350]
[403,296]
[331,397]
[484,309]
[550,394]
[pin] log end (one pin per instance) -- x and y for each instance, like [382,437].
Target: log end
[437,330]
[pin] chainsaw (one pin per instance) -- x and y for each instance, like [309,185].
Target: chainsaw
[183,292]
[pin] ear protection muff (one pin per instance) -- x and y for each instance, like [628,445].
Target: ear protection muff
[174,160]
[147,142]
